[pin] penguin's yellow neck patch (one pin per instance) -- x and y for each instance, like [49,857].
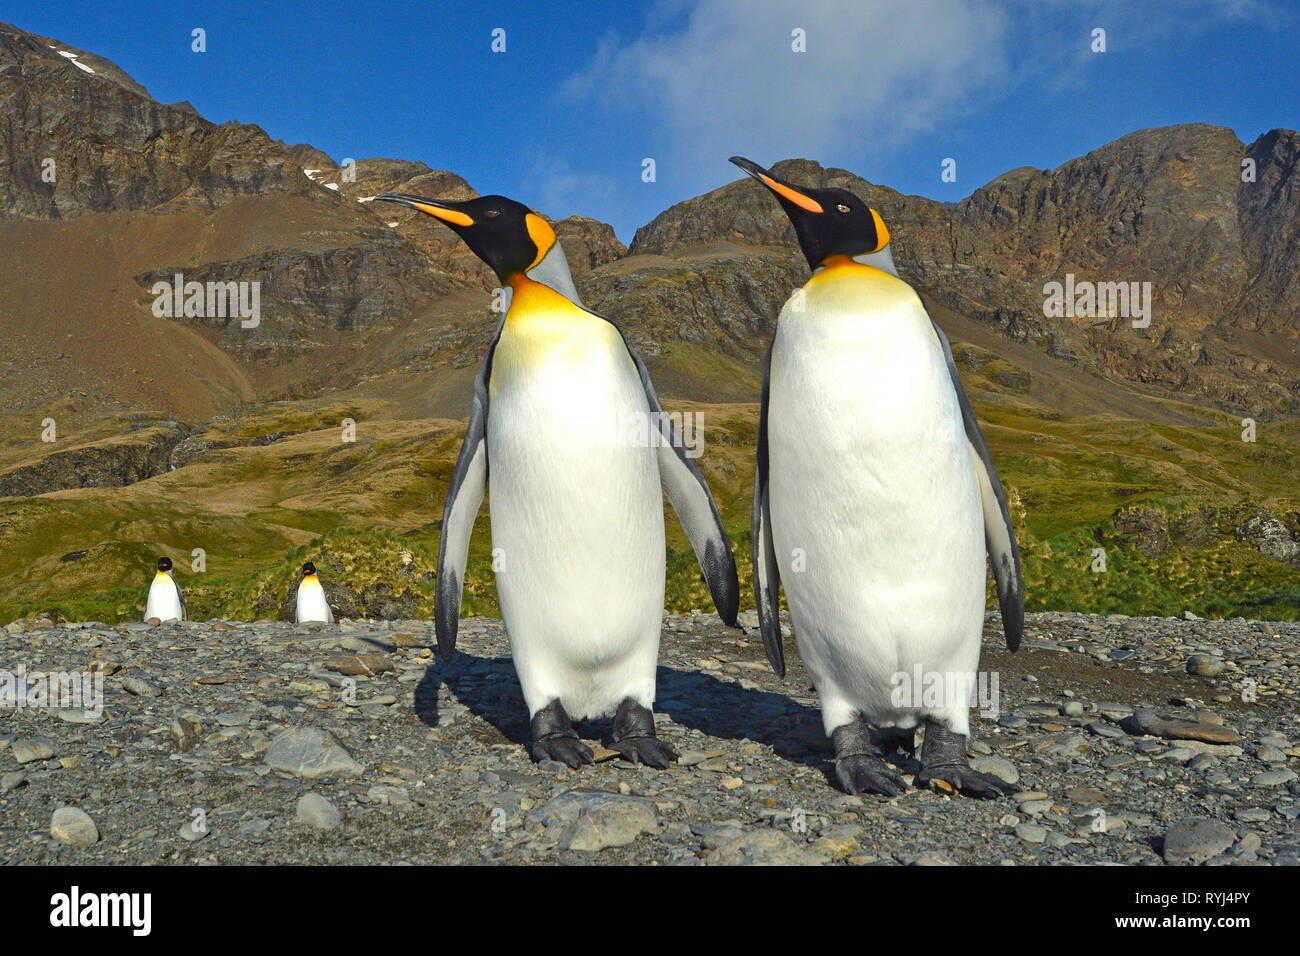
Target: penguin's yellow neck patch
[838,265]
[545,329]
[529,298]
[837,269]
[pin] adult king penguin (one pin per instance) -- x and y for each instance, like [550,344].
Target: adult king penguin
[310,604]
[875,500]
[165,601]
[576,506]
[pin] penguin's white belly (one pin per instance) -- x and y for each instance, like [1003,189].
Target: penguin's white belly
[577,517]
[163,601]
[876,516]
[311,605]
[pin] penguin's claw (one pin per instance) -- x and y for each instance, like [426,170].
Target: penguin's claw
[962,779]
[553,738]
[943,762]
[863,773]
[567,750]
[650,751]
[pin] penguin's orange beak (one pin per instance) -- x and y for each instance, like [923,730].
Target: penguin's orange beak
[784,190]
[445,210]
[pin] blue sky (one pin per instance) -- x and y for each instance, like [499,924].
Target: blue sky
[565,117]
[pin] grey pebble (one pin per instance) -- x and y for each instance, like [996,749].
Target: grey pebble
[1031,832]
[315,811]
[27,749]
[73,826]
[1196,839]
[998,766]
[591,820]
[139,686]
[191,831]
[311,753]
[1273,778]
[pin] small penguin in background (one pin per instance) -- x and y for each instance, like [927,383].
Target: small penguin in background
[311,605]
[165,602]
[577,501]
[875,500]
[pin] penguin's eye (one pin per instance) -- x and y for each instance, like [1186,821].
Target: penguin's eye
[842,208]
[492,213]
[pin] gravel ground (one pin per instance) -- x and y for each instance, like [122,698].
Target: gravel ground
[230,742]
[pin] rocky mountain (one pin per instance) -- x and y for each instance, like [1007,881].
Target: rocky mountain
[82,137]
[208,430]
[354,292]
[111,193]
[1166,206]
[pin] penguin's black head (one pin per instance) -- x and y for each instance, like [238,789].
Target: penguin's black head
[827,222]
[505,234]
[164,564]
[308,568]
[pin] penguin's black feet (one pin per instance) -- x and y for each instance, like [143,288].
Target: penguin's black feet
[858,769]
[943,759]
[552,737]
[634,736]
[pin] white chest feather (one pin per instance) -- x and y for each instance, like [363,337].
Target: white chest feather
[576,508]
[164,601]
[311,604]
[876,516]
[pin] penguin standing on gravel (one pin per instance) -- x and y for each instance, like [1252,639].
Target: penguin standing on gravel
[165,601]
[875,500]
[579,452]
[311,605]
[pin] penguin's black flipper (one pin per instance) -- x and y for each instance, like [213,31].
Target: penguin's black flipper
[684,484]
[767,576]
[999,533]
[464,496]
[180,596]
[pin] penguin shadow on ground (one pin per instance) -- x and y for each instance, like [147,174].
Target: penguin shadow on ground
[727,711]
[489,688]
[486,686]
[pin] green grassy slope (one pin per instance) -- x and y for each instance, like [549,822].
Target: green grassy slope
[368,512]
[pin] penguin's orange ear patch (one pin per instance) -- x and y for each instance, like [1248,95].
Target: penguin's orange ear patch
[798,198]
[543,236]
[882,234]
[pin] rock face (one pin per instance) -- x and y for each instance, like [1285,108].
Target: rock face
[722,297]
[361,286]
[1152,532]
[137,455]
[235,206]
[1166,206]
[587,243]
[342,277]
[113,146]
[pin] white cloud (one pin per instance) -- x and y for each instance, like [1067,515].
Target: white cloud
[719,77]
[722,78]
[558,190]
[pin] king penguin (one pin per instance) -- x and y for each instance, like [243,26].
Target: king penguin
[875,500]
[165,601]
[576,503]
[311,605]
